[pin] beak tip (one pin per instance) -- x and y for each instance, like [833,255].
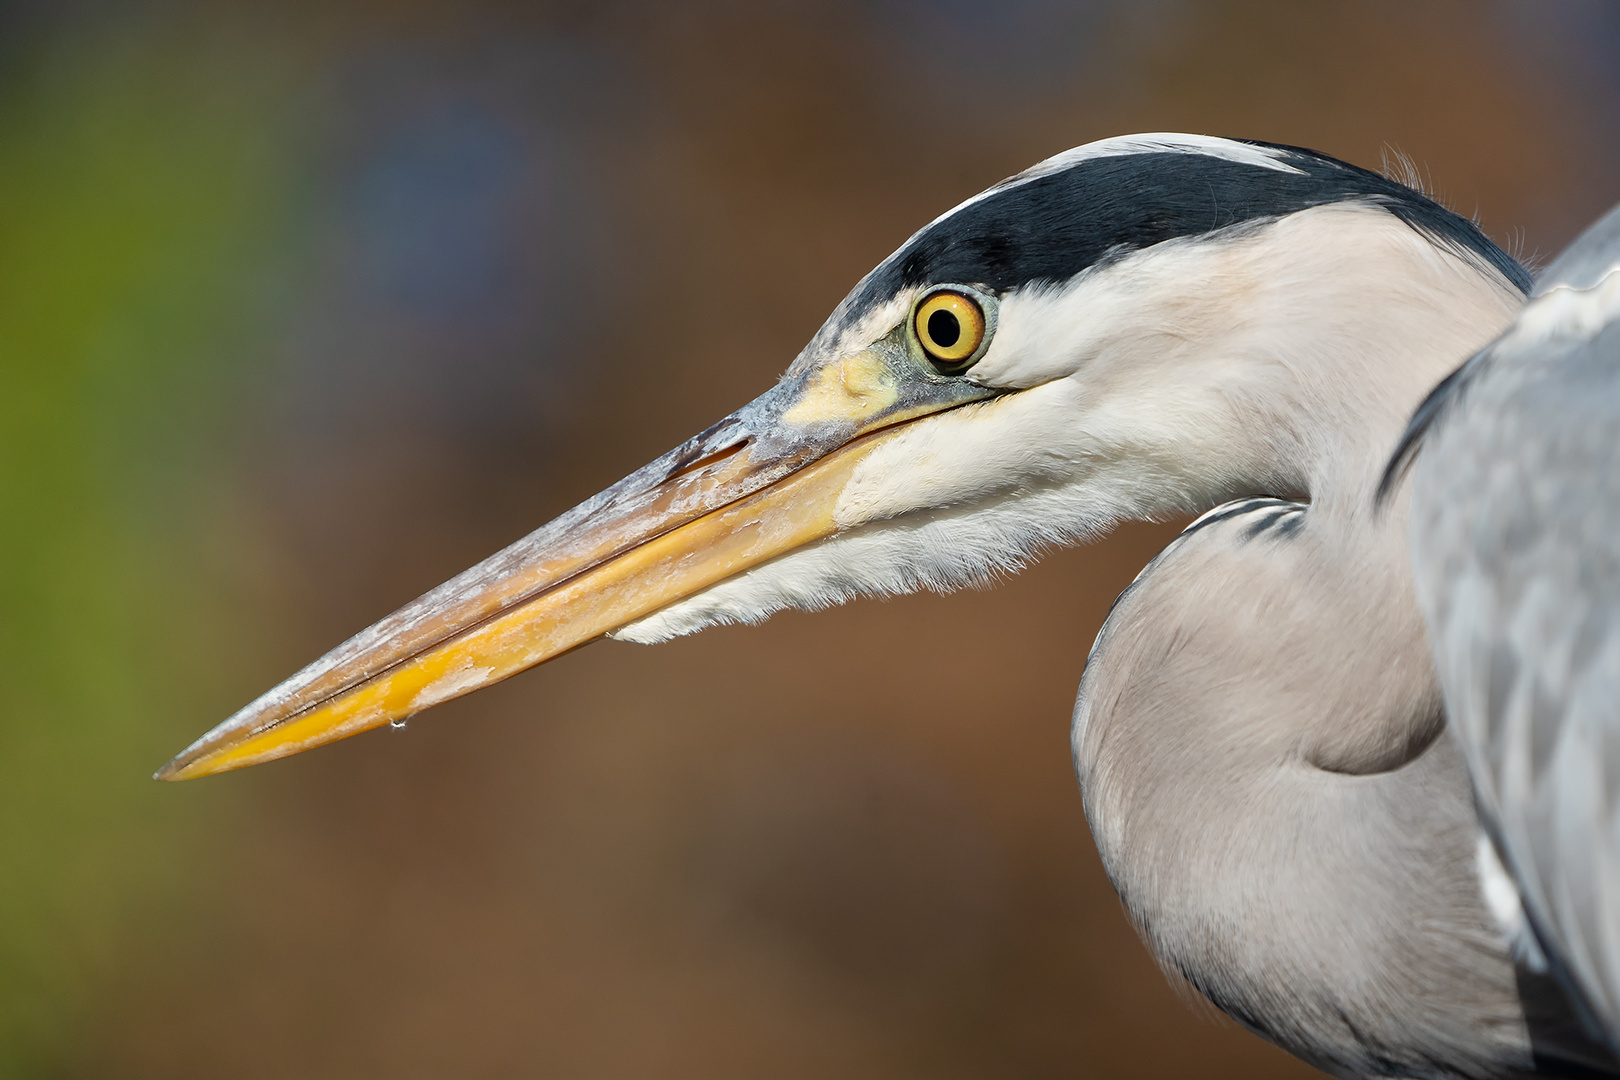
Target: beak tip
[183,766]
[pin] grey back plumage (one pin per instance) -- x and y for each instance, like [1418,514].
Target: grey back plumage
[1587,261]
[1516,555]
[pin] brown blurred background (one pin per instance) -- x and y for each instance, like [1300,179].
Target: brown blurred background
[305,307]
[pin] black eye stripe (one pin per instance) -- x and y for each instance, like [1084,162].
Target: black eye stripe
[1053,226]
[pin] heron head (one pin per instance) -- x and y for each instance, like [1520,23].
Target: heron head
[1018,374]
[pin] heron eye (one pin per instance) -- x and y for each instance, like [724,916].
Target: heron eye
[950,327]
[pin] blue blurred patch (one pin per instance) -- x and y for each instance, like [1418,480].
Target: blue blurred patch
[435,212]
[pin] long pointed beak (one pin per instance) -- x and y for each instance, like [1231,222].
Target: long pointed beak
[760,483]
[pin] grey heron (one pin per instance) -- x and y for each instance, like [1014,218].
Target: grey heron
[1138,328]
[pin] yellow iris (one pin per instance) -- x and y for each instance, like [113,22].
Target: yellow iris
[950,327]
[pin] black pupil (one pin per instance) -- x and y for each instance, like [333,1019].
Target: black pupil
[944,328]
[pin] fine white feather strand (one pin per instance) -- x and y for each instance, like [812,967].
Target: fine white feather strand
[966,546]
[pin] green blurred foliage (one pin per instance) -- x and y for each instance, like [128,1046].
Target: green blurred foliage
[144,190]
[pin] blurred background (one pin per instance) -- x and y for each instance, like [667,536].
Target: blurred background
[305,307]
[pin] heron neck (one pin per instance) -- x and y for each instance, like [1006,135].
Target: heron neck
[1336,393]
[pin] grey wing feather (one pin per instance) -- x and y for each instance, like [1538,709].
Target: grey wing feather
[1581,266]
[1516,554]
[1588,260]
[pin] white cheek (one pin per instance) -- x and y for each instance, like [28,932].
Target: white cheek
[958,500]
[942,550]
[1139,305]
[953,501]
[966,455]
[1046,333]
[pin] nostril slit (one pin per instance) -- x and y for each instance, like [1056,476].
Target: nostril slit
[709,459]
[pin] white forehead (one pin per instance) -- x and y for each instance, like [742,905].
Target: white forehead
[870,325]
